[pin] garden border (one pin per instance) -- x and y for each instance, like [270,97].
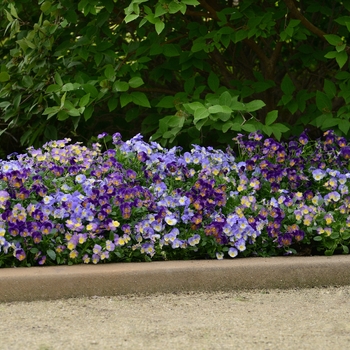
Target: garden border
[59,282]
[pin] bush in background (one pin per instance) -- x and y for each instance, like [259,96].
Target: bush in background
[182,71]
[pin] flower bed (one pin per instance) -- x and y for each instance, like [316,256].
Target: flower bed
[136,201]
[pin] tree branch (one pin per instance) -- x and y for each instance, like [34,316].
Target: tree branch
[197,13]
[304,21]
[211,10]
[158,90]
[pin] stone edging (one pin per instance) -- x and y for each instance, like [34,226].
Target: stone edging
[57,282]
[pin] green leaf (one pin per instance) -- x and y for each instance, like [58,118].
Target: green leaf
[62,115]
[254,105]
[240,35]
[191,107]
[51,110]
[174,7]
[227,126]
[13,11]
[90,89]
[9,17]
[4,76]
[268,130]
[344,126]
[200,124]
[171,50]
[112,104]
[5,104]
[98,58]
[277,133]
[84,100]
[200,113]
[109,72]
[50,132]
[27,81]
[160,10]
[331,54]
[345,235]
[249,127]
[130,17]
[333,39]
[225,99]
[159,26]
[125,99]
[68,87]
[88,112]
[213,81]
[139,98]
[190,2]
[166,102]
[198,45]
[236,105]
[176,121]
[329,88]
[287,85]
[215,109]
[58,79]
[340,48]
[317,238]
[345,249]
[189,85]
[271,117]
[281,127]
[323,102]
[135,82]
[17,101]
[53,88]
[341,58]
[120,86]
[330,122]
[51,254]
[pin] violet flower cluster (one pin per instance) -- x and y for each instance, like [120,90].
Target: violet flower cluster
[136,201]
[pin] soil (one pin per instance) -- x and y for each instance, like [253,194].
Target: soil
[317,318]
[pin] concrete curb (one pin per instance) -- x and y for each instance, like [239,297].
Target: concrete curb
[58,282]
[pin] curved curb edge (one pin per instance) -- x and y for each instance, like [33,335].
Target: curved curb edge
[59,282]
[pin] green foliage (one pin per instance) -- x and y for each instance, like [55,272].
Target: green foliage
[183,71]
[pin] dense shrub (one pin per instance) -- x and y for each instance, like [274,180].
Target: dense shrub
[183,71]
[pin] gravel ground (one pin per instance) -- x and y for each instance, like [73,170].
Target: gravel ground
[317,318]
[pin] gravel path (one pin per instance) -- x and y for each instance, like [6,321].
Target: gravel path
[317,318]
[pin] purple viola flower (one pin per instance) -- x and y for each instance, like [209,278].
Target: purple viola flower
[219,255]
[345,152]
[46,227]
[80,178]
[42,260]
[240,244]
[170,220]
[125,209]
[20,254]
[299,235]
[131,174]
[148,248]
[110,246]
[332,196]
[95,258]
[232,252]
[102,135]
[285,239]
[194,240]
[303,138]
[116,137]
[4,197]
